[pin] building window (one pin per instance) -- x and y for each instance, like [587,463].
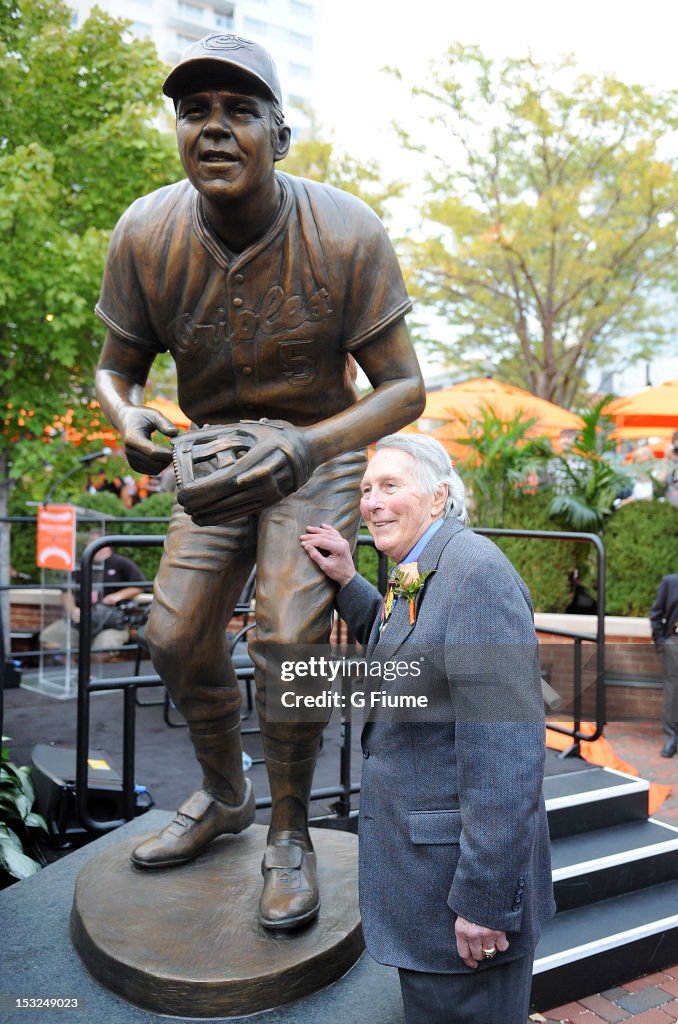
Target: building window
[140,29]
[301,10]
[299,39]
[184,41]
[300,71]
[259,28]
[224,21]
[190,11]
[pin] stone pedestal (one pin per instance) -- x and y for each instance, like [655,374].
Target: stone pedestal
[185,941]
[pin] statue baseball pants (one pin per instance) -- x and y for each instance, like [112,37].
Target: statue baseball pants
[201,576]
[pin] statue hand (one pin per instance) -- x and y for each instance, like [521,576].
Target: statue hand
[137,425]
[225,472]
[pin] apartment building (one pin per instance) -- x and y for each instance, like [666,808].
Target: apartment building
[288,28]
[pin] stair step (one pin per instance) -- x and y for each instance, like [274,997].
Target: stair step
[598,865]
[607,924]
[588,949]
[596,798]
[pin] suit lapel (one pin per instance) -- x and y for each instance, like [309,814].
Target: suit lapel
[399,628]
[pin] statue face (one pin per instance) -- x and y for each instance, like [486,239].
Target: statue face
[228,142]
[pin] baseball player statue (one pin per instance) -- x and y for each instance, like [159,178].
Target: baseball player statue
[263,287]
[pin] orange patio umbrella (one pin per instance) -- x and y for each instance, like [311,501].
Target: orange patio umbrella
[462,402]
[448,435]
[651,407]
[171,410]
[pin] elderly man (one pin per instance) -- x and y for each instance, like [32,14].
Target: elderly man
[264,288]
[453,834]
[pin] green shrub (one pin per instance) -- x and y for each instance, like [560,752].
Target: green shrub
[545,565]
[105,502]
[368,561]
[22,537]
[641,542]
[148,558]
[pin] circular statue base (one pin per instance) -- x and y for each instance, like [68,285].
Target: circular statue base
[186,941]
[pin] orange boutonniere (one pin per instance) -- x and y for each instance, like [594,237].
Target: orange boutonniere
[406,581]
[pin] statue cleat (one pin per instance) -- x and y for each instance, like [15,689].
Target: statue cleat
[290,897]
[199,820]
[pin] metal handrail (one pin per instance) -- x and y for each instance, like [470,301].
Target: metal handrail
[129,684]
[598,638]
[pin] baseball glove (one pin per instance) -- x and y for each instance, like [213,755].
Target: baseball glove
[225,472]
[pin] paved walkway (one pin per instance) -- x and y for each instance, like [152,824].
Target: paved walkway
[652,999]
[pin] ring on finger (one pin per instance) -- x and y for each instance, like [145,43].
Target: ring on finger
[488,954]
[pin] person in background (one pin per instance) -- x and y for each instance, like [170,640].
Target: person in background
[455,873]
[664,623]
[116,579]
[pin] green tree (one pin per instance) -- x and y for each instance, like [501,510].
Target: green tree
[80,138]
[316,156]
[550,213]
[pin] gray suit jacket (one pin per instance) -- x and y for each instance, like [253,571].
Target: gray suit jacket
[452,818]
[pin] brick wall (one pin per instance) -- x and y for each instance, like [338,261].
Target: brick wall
[628,660]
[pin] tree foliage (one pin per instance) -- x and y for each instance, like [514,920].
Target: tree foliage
[80,138]
[316,156]
[78,143]
[549,215]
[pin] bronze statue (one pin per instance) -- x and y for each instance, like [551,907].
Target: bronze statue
[263,287]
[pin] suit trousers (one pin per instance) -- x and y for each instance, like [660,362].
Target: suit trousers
[670,712]
[497,994]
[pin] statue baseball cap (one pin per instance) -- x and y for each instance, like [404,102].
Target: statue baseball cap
[218,52]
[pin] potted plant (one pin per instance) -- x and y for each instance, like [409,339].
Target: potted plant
[20,826]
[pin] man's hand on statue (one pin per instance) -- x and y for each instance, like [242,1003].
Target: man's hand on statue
[328,549]
[226,472]
[137,424]
[476,943]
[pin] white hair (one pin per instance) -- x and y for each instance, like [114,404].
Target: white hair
[433,468]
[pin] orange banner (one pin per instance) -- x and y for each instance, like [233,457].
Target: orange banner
[56,537]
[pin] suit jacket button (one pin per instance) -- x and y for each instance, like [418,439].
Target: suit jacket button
[366,753]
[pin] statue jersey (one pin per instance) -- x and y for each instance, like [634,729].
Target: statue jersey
[265,332]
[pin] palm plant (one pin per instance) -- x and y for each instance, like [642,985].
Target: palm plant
[502,461]
[591,482]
